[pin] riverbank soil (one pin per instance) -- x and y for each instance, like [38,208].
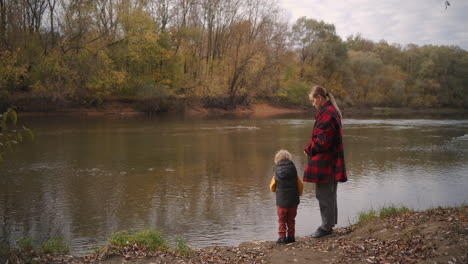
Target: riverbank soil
[433,236]
[117,108]
[259,110]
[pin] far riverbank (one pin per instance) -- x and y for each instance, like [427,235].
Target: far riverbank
[117,106]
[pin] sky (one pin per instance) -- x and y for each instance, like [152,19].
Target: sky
[420,22]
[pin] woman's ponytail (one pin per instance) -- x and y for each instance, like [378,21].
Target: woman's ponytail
[332,100]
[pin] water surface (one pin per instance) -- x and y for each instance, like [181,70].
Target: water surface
[207,179]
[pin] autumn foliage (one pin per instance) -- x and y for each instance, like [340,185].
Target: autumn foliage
[224,53]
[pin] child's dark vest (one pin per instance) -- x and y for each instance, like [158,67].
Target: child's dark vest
[287,194]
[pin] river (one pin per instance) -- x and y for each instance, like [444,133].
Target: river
[207,180]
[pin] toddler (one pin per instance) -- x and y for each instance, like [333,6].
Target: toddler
[288,187]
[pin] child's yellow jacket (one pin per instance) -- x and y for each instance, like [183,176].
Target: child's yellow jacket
[300,185]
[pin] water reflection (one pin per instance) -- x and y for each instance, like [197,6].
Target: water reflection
[207,180]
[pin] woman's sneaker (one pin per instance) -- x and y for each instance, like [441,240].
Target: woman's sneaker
[291,239]
[321,232]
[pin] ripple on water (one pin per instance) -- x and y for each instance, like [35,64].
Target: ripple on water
[462,138]
[231,128]
[297,122]
[39,166]
[406,122]
[449,146]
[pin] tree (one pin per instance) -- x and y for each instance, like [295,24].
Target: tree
[77,51]
[376,83]
[12,72]
[322,54]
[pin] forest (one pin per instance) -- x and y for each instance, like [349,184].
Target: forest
[222,53]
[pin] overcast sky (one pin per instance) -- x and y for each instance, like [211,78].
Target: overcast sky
[419,22]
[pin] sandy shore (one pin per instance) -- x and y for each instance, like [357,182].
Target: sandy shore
[261,110]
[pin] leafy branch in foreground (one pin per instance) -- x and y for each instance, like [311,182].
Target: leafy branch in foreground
[10,132]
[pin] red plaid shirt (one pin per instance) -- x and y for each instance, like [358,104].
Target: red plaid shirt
[325,149]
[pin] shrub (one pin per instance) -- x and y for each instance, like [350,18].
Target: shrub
[55,246]
[154,105]
[225,102]
[181,247]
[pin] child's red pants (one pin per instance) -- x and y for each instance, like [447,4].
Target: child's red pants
[286,221]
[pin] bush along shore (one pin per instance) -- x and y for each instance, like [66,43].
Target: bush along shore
[387,235]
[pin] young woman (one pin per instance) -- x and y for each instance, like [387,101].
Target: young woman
[325,157]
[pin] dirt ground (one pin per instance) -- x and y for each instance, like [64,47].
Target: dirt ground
[429,237]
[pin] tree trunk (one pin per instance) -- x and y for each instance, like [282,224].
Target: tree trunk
[3,23]
[52,29]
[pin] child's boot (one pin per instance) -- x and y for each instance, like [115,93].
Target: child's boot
[282,240]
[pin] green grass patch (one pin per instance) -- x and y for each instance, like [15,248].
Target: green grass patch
[182,248]
[392,210]
[55,245]
[372,214]
[26,252]
[367,216]
[26,244]
[119,239]
[150,239]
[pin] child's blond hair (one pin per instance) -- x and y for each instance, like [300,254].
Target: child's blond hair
[282,154]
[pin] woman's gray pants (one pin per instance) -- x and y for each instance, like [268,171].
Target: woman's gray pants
[326,195]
